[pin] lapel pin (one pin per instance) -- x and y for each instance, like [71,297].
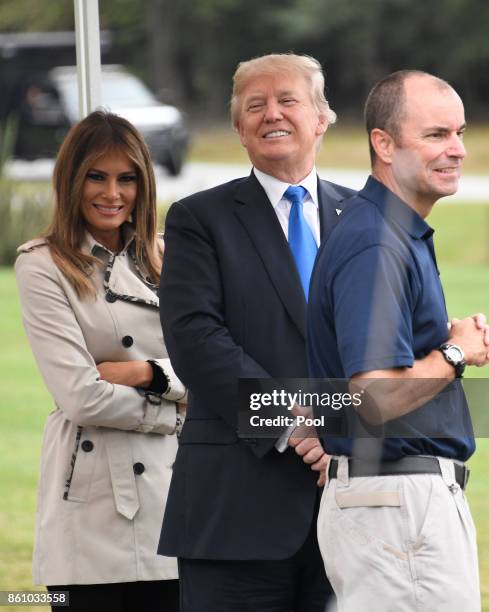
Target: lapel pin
[338,211]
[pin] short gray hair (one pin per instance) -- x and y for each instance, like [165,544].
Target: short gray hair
[386,103]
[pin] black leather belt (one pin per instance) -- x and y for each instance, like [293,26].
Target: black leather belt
[406,465]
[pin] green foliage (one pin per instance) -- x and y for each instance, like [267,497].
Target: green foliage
[357,42]
[35,16]
[207,11]
[8,132]
[25,210]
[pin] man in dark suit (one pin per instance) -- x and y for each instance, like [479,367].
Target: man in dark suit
[241,512]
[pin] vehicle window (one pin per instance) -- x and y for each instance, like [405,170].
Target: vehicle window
[118,90]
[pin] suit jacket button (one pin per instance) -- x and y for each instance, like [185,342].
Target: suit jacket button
[127,341]
[87,445]
[110,297]
[138,468]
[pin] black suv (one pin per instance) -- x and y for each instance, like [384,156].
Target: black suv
[45,105]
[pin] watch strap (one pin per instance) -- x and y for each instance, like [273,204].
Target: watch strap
[459,366]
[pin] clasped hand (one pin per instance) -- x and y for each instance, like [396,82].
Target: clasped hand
[306,443]
[472,334]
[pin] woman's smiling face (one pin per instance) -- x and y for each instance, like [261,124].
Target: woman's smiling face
[109,197]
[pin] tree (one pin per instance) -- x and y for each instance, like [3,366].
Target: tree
[194,47]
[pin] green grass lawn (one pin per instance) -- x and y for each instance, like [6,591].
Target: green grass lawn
[462,239]
[466,289]
[24,404]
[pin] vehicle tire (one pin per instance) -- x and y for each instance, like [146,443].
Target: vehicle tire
[174,163]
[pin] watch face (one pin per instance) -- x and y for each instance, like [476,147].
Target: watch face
[454,354]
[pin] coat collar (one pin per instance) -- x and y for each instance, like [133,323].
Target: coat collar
[123,278]
[91,247]
[256,214]
[275,188]
[396,210]
[122,283]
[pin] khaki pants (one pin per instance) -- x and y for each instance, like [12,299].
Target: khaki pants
[399,543]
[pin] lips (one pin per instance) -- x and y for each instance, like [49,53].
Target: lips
[108,210]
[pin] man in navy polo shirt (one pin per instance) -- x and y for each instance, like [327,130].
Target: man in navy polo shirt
[394,527]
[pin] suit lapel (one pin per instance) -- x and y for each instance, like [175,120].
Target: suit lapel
[260,221]
[330,207]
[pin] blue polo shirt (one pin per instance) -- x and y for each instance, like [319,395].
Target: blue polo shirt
[376,302]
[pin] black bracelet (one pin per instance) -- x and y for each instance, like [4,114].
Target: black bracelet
[160,382]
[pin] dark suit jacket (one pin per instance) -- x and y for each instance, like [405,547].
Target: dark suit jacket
[232,306]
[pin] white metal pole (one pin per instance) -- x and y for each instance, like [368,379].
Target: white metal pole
[88,55]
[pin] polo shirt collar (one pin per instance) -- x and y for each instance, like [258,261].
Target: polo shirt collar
[395,209]
[275,189]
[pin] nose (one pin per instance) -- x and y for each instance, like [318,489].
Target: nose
[273,111]
[111,191]
[456,147]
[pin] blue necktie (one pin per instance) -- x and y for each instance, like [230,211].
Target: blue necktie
[301,239]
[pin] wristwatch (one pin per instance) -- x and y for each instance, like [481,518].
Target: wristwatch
[454,355]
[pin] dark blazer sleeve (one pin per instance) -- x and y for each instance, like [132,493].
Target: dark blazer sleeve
[203,352]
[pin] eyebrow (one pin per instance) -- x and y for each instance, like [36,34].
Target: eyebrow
[261,95]
[254,97]
[105,173]
[444,129]
[288,92]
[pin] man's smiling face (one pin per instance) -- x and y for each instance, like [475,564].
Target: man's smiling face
[427,159]
[279,125]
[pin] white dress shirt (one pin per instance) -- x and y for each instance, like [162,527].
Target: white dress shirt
[275,190]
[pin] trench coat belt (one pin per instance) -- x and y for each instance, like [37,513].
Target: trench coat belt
[126,496]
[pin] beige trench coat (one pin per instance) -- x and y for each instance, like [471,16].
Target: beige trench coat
[108,449]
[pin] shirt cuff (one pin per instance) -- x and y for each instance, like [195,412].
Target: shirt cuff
[160,383]
[175,390]
[283,442]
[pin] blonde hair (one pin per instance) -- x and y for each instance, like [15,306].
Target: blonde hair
[98,134]
[284,63]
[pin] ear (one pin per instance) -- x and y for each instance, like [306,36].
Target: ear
[322,125]
[383,144]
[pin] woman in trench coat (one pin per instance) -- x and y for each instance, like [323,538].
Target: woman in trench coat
[88,291]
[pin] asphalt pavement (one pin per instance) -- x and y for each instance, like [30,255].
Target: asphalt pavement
[197,176]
